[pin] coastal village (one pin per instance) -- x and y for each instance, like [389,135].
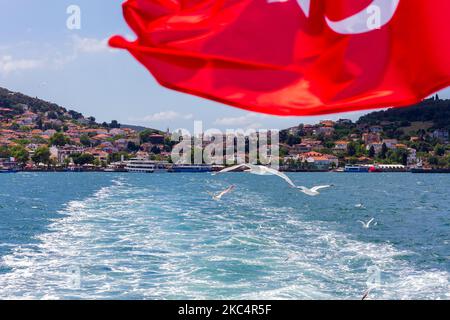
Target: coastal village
[37,135]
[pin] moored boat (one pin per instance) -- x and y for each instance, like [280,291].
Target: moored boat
[356,169]
[140,166]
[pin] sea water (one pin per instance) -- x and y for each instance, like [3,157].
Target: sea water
[162,236]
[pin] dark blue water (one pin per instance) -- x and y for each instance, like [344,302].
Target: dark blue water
[161,236]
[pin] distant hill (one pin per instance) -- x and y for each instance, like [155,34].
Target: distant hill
[17,101]
[139,128]
[434,112]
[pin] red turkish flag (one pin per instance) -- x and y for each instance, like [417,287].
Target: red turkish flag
[294,57]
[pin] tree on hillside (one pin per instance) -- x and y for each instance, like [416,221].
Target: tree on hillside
[132,147]
[329,144]
[145,135]
[114,124]
[20,154]
[291,140]
[52,115]
[39,123]
[434,161]
[283,135]
[372,152]
[398,156]
[351,149]
[422,146]
[85,141]
[4,152]
[439,150]
[383,152]
[59,139]
[75,115]
[41,155]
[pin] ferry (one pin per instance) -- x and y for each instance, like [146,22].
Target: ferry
[356,169]
[140,166]
[9,166]
[192,168]
[116,167]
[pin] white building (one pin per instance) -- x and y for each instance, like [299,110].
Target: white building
[412,156]
[62,153]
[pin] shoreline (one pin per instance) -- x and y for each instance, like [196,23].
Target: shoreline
[413,171]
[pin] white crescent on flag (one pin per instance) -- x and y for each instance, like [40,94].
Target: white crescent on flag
[360,22]
[305,5]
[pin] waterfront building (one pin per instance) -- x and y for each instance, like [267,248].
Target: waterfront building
[62,153]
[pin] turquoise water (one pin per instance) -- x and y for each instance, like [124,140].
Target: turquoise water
[161,236]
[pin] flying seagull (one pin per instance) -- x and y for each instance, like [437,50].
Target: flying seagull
[366,225]
[360,205]
[366,294]
[219,195]
[313,191]
[261,171]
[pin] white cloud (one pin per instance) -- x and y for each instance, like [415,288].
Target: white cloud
[9,64]
[165,116]
[90,45]
[51,56]
[248,119]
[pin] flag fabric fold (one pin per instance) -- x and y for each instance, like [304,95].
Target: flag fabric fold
[294,57]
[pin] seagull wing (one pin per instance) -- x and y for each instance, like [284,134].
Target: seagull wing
[224,192]
[232,168]
[370,221]
[220,194]
[319,187]
[366,294]
[362,222]
[282,176]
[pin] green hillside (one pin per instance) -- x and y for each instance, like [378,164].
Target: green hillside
[432,113]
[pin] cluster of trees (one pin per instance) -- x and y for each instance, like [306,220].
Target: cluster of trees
[22,156]
[113,125]
[434,110]
[18,152]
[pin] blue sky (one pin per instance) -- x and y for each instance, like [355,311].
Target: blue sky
[41,57]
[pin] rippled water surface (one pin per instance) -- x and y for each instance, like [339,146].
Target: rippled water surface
[161,236]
